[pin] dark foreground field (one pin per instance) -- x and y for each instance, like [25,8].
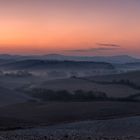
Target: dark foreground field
[43,114]
[70,121]
[113,129]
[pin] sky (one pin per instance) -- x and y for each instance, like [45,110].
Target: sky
[73,27]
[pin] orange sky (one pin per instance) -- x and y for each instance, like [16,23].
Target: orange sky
[49,26]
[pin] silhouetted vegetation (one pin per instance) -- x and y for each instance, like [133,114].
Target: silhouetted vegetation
[64,95]
[78,95]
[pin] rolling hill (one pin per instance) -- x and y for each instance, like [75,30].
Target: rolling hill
[45,64]
[72,84]
[133,76]
[59,57]
[8,96]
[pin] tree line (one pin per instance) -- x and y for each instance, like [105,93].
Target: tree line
[64,95]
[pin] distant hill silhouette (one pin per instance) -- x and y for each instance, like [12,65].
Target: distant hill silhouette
[108,59]
[53,64]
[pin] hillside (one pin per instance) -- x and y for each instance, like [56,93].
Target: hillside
[8,96]
[108,59]
[44,64]
[133,76]
[72,84]
[59,57]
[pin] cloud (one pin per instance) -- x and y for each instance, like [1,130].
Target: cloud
[108,45]
[100,47]
[93,49]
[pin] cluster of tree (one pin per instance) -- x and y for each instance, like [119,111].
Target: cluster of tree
[64,95]
[78,95]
